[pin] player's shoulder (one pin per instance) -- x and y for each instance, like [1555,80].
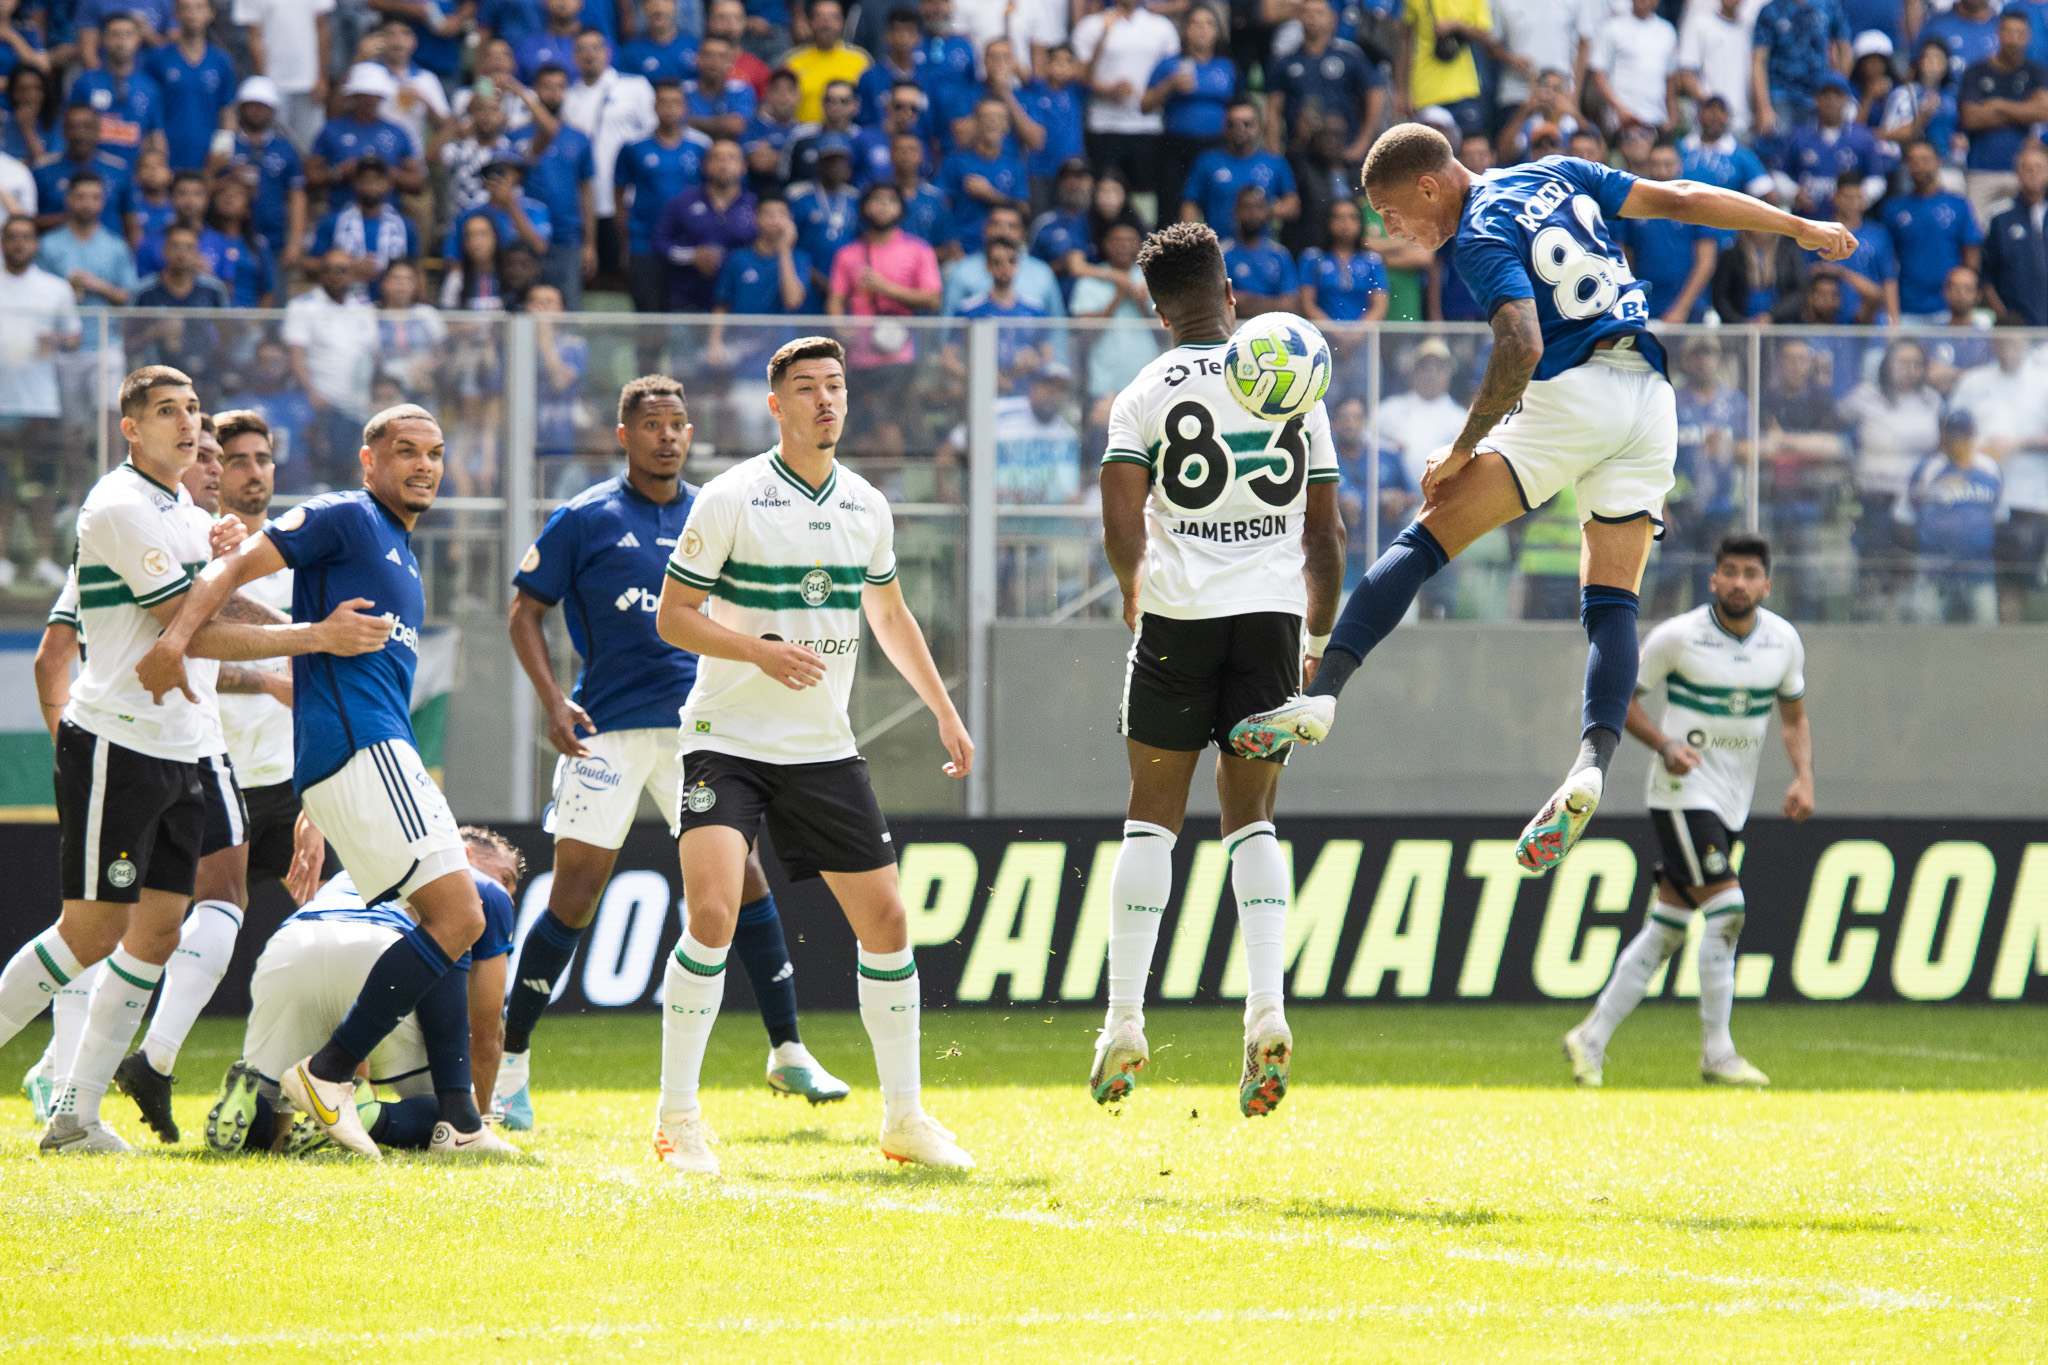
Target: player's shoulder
[344,506]
[599,496]
[1684,626]
[733,483]
[853,493]
[1780,630]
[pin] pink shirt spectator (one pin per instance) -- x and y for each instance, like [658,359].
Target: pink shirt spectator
[902,260]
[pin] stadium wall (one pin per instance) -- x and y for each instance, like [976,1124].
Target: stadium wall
[1008,912]
[1482,719]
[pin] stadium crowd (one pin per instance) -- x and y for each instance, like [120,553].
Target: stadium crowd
[390,173]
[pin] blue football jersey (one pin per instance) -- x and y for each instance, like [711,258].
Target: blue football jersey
[339,546]
[602,556]
[339,901]
[1539,231]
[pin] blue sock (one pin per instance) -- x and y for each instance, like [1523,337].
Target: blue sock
[406,1123]
[443,1013]
[407,970]
[1609,615]
[545,955]
[1377,605]
[758,943]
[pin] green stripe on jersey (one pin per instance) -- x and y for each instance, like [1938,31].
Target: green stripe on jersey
[840,598]
[92,575]
[1247,442]
[683,575]
[795,480]
[777,574]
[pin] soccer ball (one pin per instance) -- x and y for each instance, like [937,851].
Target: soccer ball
[1277,366]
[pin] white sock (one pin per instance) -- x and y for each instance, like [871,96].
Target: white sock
[37,971]
[67,1014]
[889,1007]
[110,1019]
[692,991]
[206,944]
[1663,934]
[791,1054]
[513,1069]
[1139,888]
[1724,915]
[1259,878]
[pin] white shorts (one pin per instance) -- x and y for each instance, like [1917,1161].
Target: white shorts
[387,822]
[596,797]
[1609,428]
[305,983]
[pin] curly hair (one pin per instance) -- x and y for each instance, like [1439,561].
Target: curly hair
[1183,266]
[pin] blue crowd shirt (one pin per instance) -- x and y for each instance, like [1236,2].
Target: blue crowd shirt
[736,98]
[656,174]
[341,546]
[344,139]
[130,110]
[1055,233]
[1995,149]
[193,96]
[278,171]
[1218,178]
[1874,259]
[1197,114]
[1797,34]
[1344,289]
[1003,171]
[53,181]
[1726,164]
[674,60]
[1955,508]
[1663,252]
[875,86]
[750,282]
[928,214]
[1968,41]
[1709,482]
[1061,113]
[1009,340]
[1539,231]
[152,219]
[556,177]
[824,224]
[160,15]
[543,48]
[601,556]
[1335,83]
[1929,233]
[536,214]
[218,254]
[1814,160]
[1262,268]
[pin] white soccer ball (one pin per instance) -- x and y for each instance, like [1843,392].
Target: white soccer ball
[1277,366]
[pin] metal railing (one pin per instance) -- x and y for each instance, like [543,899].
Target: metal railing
[985,436]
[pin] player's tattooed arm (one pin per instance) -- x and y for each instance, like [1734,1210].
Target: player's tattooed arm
[1517,347]
[236,680]
[250,612]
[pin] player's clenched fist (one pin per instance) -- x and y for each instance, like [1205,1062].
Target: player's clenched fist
[224,535]
[348,630]
[794,666]
[1833,241]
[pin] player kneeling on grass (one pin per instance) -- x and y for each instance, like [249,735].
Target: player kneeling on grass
[791,548]
[1218,616]
[1720,664]
[442,1056]
[601,555]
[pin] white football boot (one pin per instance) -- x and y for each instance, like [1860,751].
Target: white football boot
[1268,1054]
[1301,718]
[332,1107]
[66,1136]
[1557,827]
[482,1143]
[922,1141]
[1731,1070]
[1120,1057]
[685,1145]
[1587,1059]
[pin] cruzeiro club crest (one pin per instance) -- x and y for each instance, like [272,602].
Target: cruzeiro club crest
[701,799]
[816,588]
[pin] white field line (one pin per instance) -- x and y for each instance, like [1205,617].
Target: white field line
[1451,1312]
[1927,1054]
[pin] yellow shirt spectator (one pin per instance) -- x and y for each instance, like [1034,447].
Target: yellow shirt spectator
[817,68]
[1429,80]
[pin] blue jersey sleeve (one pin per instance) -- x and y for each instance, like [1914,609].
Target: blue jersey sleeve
[1608,186]
[550,564]
[313,533]
[1493,269]
[501,919]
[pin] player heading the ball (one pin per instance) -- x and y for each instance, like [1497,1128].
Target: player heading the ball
[1575,392]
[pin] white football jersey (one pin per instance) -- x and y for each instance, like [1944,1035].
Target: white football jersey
[782,561]
[1721,689]
[258,727]
[1229,491]
[139,543]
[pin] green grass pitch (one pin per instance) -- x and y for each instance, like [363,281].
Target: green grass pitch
[1431,1190]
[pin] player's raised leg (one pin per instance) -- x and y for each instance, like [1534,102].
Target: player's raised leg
[1140,889]
[1259,878]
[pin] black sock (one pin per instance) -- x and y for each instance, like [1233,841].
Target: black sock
[1333,672]
[443,1013]
[758,943]
[407,970]
[262,1126]
[550,945]
[405,1123]
[1596,749]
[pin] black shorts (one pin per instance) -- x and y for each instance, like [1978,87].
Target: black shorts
[227,819]
[126,821]
[823,817]
[1697,847]
[273,817]
[1189,681]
